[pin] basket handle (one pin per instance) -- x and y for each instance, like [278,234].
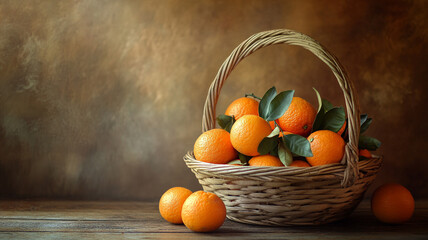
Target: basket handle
[267,38]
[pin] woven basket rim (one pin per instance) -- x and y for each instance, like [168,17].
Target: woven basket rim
[227,170]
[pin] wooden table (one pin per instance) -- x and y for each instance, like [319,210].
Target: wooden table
[141,220]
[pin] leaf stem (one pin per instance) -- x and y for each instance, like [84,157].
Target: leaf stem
[276,124]
[252,95]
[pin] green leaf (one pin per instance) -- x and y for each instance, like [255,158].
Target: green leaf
[225,121]
[323,104]
[237,161]
[319,100]
[328,117]
[279,105]
[284,154]
[369,143]
[243,158]
[320,113]
[275,132]
[298,145]
[274,152]
[363,118]
[264,104]
[334,119]
[318,121]
[365,125]
[229,126]
[326,105]
[267,145]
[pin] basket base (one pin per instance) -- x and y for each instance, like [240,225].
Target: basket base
[287,221]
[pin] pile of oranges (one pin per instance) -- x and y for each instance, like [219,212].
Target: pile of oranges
[199,211]
[278,130]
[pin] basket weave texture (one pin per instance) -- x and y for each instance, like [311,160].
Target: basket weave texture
[287,196]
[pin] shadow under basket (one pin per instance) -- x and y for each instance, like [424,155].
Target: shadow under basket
[281,196]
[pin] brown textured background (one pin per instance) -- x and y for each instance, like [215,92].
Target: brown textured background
[101,99]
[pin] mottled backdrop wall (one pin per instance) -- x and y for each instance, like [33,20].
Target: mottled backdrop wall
[101,99]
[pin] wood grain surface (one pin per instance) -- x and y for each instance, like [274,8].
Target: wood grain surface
[136,220]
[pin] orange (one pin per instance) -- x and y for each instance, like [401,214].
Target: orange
[392,203]
[265,161]
[214,146]
[365,153]
[299,163]
[171,202]
[327,147]
[247,133]
[342,129]
[203,212]
[272,124]
[243,106]
[298,118]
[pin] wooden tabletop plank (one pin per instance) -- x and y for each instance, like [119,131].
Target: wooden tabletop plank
[192,236]
[132,220]
[78,210]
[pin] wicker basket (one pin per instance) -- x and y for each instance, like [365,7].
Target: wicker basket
[287,196]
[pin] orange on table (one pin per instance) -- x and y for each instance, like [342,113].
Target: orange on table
[265,161]
[327,147]
[298,118]
[365,153]
[214,146]
[247,133]
[203,212]
[243,106]
[299,163]
[171,203]
[392,203]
